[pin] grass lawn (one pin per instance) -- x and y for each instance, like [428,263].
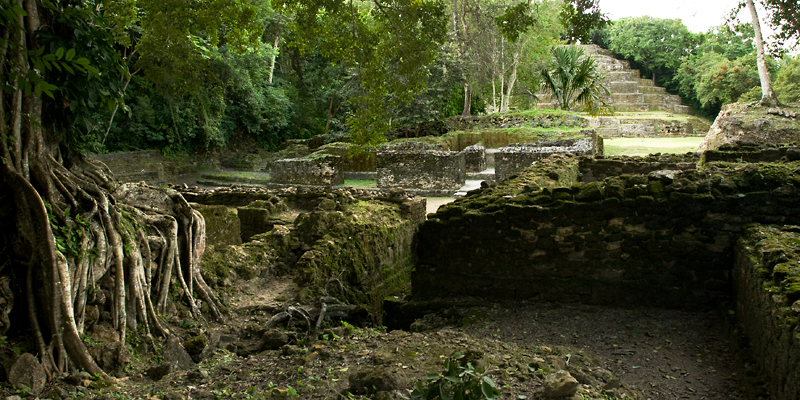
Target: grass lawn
[645,146]
[360,183]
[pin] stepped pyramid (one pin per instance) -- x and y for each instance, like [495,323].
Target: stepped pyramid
[629,91]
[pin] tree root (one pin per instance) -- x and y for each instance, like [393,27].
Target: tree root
[118,249]
[326,310]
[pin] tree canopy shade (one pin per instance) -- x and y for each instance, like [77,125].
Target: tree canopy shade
[390,44]
[80,243]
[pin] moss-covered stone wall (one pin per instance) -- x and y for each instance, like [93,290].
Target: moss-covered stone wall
[347,243]
[361,256]
[767,285]
[665,239]
[753,153]
[594,169]
[222,225]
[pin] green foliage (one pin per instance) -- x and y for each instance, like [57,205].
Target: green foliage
[73,64]
[242,101]
[458,382]
[573,78]
[784,16]
[580,18]
[714,80]
[787,82]
[658,45]
[388,44]
[443,97]
[730,42]
[179,39]
[253,105]
[720,70]
[517,19]
[68,235]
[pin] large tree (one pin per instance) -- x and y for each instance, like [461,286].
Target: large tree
[388,44]
[580,17]
[81,244]
[658,45]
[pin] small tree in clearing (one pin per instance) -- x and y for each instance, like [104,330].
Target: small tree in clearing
[767,94]
[574,78]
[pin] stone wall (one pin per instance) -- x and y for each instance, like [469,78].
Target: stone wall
[767,286]
[610,127]
[475,158]
[259,216]
[222,225]
[347,243]
[323,170]
[665,239]
[511,160]
[149,166]
[753,153]
[599,168]
[419,166]
[364,161]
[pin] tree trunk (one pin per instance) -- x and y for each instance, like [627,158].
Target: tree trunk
[768,97]
[467,99]
[75,226]
[512,80]
[502,76]
[274,55]
[116,107]
[460,34]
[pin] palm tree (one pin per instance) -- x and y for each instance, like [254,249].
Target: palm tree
[574,78]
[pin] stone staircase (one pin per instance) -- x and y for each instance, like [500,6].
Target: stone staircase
[629,91]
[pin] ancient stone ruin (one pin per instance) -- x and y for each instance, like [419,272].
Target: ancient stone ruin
[360,239]
[629,91]
[325,170]
[658,232]
[420,166]
[638,126]
[474,158]
[512,159]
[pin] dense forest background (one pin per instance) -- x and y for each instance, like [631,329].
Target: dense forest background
[365,67]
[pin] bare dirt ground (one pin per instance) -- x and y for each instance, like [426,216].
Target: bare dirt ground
[613,353]
[667,354]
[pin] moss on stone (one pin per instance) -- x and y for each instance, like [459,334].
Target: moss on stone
[222,225]
[363,256]
[590,192]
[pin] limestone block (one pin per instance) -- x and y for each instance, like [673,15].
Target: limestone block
[560,384]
